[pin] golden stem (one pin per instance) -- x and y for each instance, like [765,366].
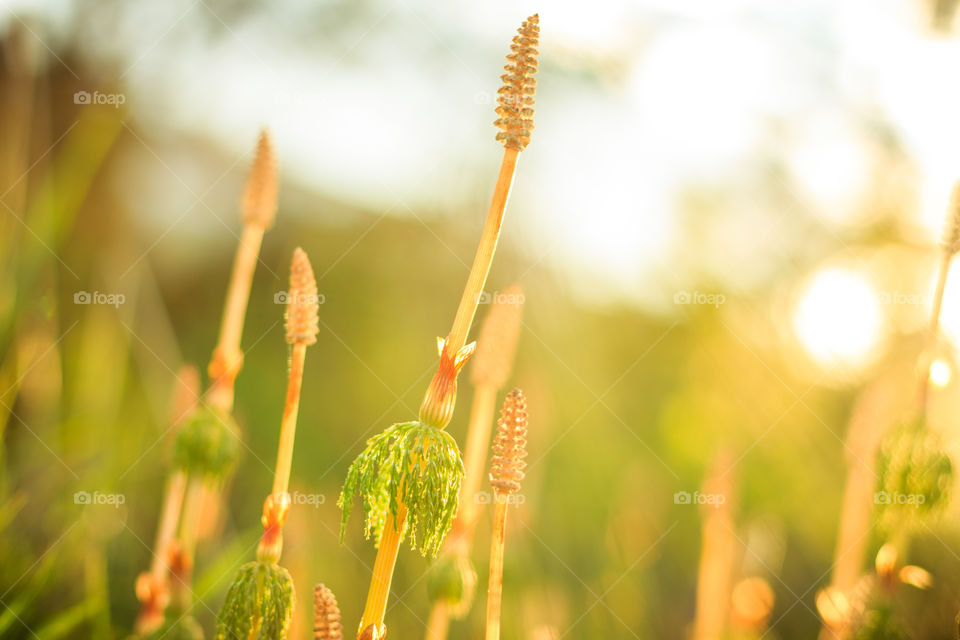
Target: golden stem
[188,524]
[227,357]
[439,621]
[484,256]
[475,457]
[167,529]
[390,539]
[495,585]
[288,426]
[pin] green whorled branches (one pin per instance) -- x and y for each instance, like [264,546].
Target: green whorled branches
[206,444]
[259,604]
[411,463]
[915,475]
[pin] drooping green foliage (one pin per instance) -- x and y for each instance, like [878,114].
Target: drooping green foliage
[420,465]
[259,604]
[206,444]
[453,581]
[914,476]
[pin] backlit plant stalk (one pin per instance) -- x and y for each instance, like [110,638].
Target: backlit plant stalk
[453,578]
[718,554]
[506,472]
[259,603]
[204,449]
[153,586]
[949,248]
[409,476]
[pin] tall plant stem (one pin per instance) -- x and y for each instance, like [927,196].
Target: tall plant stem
[172,503]
[227,357]
[288,425]
[390,544]
[484,257]
[183,571]
[439,622]
[379,592]
[495,585]
[475,454]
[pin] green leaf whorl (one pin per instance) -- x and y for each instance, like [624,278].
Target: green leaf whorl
[259,604]
[420,465]
[915,476]
[206,444]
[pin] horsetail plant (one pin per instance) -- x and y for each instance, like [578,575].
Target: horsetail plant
[153,586]
[259,603]
[206,447]
[452,580]
[911,459]
[506,472]
[326,615]
[408,477]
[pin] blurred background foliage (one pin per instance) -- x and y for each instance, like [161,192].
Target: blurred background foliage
[725,228]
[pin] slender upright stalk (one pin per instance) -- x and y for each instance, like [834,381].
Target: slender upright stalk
[515,102]
[438,623]
[153,587]
[302,328]
[506,472]
[259,210]
[949,248]
[717,555]
[497,546]
[490,370]
[484,256]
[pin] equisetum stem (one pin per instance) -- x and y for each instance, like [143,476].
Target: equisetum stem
[942,273]
[439,621]
[475,455]
[484,256]
[172,503]
[234,311]
[376,607]
[495,585]
[192,504]
[288,426]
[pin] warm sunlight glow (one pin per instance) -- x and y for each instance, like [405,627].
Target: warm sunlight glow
[838,319]
[940,373]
